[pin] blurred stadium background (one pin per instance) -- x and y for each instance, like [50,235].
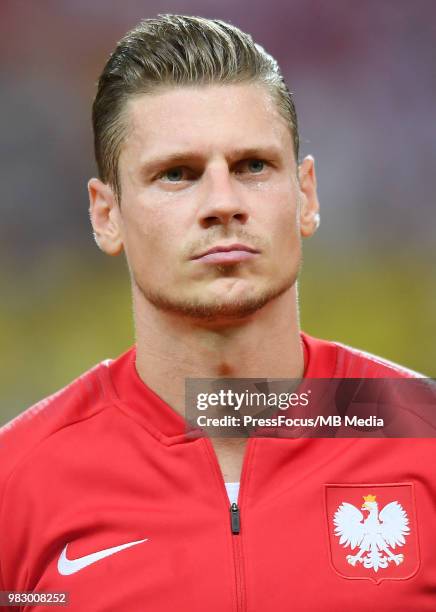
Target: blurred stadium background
[364,81]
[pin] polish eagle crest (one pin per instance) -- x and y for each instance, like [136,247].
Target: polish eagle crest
[374,534]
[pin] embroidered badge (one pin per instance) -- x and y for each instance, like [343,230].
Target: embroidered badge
[372,531]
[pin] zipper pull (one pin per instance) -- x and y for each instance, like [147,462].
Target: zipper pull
[235,519]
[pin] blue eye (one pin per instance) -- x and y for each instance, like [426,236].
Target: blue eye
[173,175]
[256,165]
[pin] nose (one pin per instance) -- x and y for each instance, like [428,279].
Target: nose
[222,201]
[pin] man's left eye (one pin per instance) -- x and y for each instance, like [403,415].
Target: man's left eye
[256,165]
[250,166]
[173,175]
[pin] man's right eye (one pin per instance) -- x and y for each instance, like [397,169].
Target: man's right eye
[174,175]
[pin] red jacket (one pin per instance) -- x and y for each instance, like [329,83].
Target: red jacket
[105,462]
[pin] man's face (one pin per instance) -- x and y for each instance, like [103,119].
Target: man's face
[202,168]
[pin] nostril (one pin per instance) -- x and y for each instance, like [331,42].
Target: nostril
[210,221]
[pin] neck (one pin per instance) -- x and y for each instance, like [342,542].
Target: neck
[171,348]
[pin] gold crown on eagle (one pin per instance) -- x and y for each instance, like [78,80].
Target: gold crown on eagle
[369,498]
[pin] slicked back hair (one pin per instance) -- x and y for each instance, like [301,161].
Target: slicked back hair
[176,50]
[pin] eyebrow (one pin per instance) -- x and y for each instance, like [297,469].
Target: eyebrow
[148,166]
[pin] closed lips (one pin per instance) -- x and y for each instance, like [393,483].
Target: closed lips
[224,249]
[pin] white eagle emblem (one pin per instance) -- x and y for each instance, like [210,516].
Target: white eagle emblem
[374,535]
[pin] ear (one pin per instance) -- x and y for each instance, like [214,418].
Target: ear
[309,203]
[105,216]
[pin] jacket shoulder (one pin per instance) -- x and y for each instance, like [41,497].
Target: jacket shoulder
[356,363]
[75,402]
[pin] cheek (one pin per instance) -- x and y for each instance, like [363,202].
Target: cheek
[286,233]
[286,219]
[143,227]
[151,237]
[140,239]
[142,243]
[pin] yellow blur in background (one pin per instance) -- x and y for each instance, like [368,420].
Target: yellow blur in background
[73,312]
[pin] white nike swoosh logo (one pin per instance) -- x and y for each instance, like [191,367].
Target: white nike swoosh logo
[71,566]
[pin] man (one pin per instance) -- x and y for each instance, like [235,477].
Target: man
[105,495]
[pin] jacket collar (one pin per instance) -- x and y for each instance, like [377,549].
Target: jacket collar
[134,397]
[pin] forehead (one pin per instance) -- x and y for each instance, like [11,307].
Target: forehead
[207,119]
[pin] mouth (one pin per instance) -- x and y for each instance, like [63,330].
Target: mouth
[227,254]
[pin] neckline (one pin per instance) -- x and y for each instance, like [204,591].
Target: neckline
[138,401]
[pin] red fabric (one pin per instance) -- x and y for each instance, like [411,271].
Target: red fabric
[105,461]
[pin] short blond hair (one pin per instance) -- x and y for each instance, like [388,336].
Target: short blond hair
[176,50]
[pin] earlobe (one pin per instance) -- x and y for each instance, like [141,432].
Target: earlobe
[105,217]
[309,203]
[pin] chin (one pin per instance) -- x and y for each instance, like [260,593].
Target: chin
[227,306]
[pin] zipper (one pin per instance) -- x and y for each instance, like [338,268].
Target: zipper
[235,525]
[239,572]
[235,519]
